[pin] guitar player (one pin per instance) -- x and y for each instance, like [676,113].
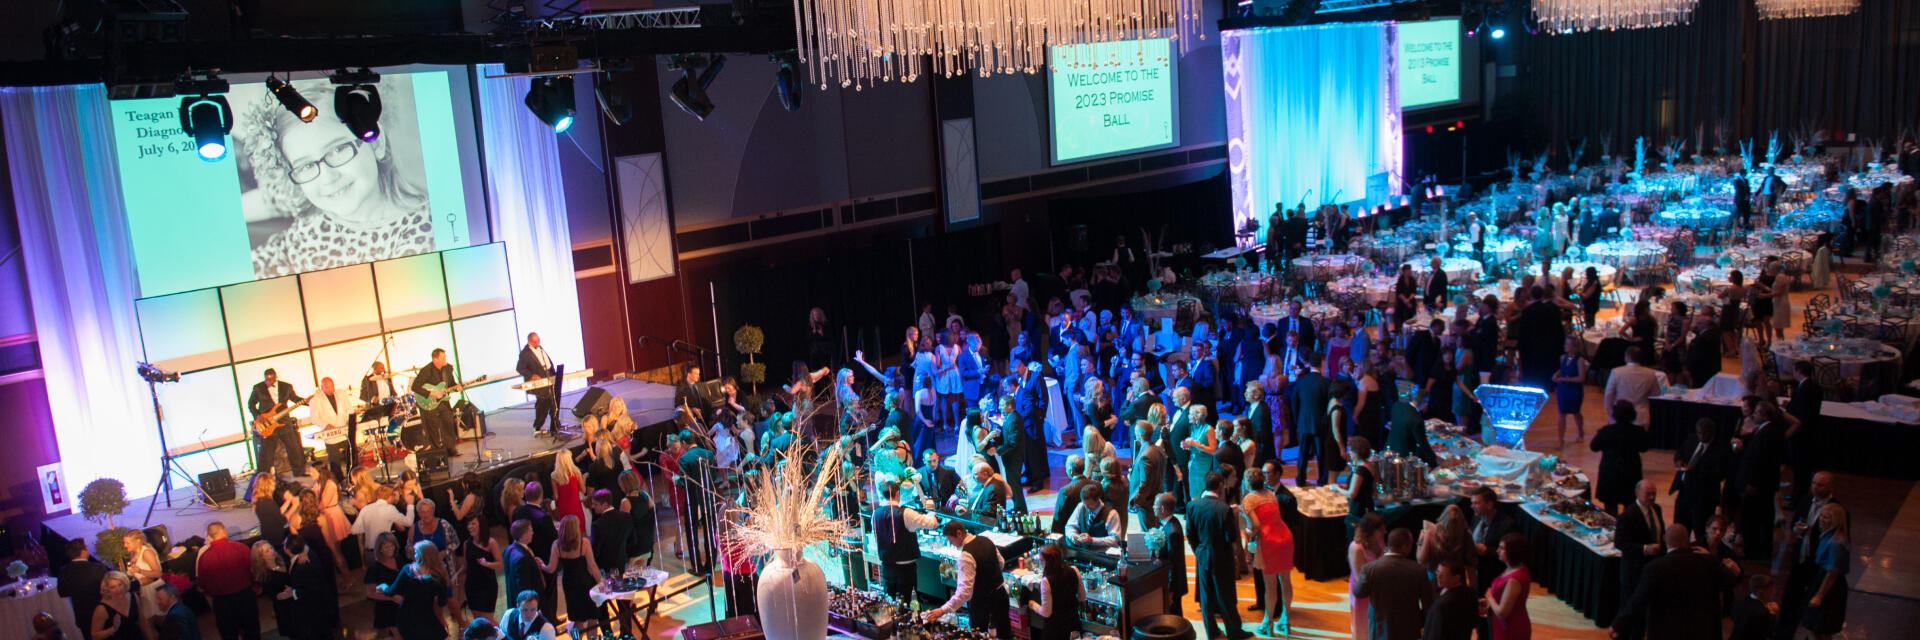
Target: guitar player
[439,422]
[270,395]
[535,364]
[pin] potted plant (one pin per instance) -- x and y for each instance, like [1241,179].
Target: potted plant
[748,340]
[100,501]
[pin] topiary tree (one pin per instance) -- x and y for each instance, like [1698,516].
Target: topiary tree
[748,340]
[100,502]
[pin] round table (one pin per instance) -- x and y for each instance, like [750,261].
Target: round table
[1694,301]
[1749,259]
[1317,311]
[1152,307]
[1712,278]
[1388,248]
[1802,239]
[1500,249]
[1245,284]
[1862,321]
[1626,253]
[1698,217]
[1661,234]
[1462,271]
[1328,267]
[17,609]
[1372,289]
[1854,354]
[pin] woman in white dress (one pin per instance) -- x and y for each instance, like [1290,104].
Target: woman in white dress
[143,565]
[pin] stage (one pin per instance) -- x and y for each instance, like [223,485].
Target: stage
[510,447]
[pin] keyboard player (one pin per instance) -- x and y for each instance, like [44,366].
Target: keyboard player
[535,364]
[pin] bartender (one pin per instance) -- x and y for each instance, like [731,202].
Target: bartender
[979,583]
[1094,525]
[893,527]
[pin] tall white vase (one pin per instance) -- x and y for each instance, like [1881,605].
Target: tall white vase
[792,597]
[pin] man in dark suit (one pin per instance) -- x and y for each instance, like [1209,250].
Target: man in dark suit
[1179,427]
[1216,538]
[1484,339]
[523,572]
[1148,476]
[990,494]
[1399,590]
[1030,403]
[1743,200]
[1540,334]
[1753,616]
[1636,533]
[687,398]
[1436,298]
[1297,323]
[535,364]
[1700,464]
[1455,612]
[1423,351]
[1802,443]
[1703,352]
[1168,541]
[1069,498]
[80,580]
[1487,526]
[1678,597]
[937,483]
[438,423]
[173,621]
[268,395]
[612,530]
[1307,398]
[1756,479]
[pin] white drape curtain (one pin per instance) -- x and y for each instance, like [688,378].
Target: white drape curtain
[529,203]
[1312,112]
[79,265]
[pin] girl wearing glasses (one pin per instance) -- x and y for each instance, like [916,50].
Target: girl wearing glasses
[350,200]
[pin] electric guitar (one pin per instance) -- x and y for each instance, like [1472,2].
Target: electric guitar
[427,402]
[266,423]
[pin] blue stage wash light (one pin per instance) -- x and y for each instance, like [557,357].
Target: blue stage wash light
[1499,33]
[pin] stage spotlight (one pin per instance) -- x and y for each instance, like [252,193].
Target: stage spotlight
[551,100]
[691,94]
[612,97]
[1498,33]
[294,102]
[787,81]
[205,116]
[356,101]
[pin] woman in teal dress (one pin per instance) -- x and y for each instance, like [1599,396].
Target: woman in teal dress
[1202,445]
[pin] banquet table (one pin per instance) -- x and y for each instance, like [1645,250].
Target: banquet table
[1625,254]
[1370,288]
[1462,271]
[1265,314]
[1388,248]
[1802,239]
[1882,443]
[1862,321]
[1499,248]
[1711,278]
[1329,267]
[1698,217]
[1750,259]
[1876,365]
[17,610]
[1245,284]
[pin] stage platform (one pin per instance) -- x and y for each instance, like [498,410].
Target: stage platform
[511,446]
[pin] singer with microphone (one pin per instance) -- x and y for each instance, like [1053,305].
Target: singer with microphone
[535,364]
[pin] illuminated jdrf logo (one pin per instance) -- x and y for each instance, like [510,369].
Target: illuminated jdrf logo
[1510,410]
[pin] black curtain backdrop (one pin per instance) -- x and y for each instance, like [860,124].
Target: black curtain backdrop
[1854,74]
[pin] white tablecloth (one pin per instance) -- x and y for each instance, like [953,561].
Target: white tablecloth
[1371,288]
[1329,267]
[1266,314]
[16,613]
[1789,351]
[1626,254]
[1460,271]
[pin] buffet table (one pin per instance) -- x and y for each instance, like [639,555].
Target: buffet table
[1578,572]
[1882,437]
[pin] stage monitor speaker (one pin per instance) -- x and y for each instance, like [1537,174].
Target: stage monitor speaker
[157,537]
[433,461]
[218,484]
[594,401]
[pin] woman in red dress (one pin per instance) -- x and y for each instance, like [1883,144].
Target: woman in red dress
[567,484]
[1272,550]
[1506,600]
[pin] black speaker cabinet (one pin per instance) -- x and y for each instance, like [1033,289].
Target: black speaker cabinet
[432,461]
[595,400]
[218,485]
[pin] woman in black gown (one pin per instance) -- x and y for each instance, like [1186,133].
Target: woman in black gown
[313,583]
[382,568]
[117,616]
[327,610]
[276,583]
[573,558]
[480,556]
[1619,445]
[420,590]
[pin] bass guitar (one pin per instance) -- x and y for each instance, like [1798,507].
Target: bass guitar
[266,423]
[427,402]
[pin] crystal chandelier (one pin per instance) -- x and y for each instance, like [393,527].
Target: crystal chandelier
[863,42]
[1778,9]
[1569,16]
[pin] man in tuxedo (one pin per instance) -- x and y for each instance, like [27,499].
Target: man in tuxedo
[1701,464]
[523,574]
[687,398]
[1216,539]
[269,395]
[1307,397]
[1423,351]
[1636,533]
[1756,477]
[1678,597]
[1069,496]
[1703,352]
[1436,298]
[1455,612]
[535,364]
[1541,335]
[1299,323]
[1030,403]
[1399,588]
[1484,339]
[79,579]
[1743,200]
[1753,616]
[1178,429]
[1808,396]
[438,422]
[937,483]
[612,529]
